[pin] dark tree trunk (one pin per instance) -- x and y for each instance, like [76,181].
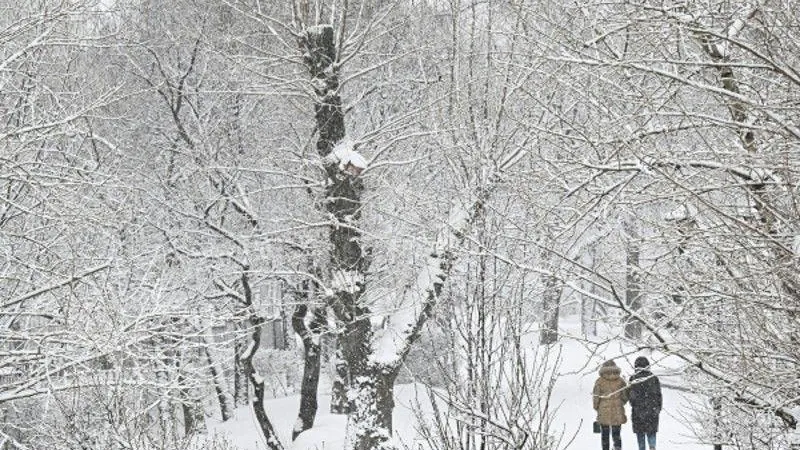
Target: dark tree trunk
[270,436]
[372,402]
[588,302]
[319,49]
[551,306]
[256,323]
[343,193]
[371,387]
[192,413]
[192,410]
[240,379]
[311,364]
[225,408]
[717,407]
[341,379]
[370,384]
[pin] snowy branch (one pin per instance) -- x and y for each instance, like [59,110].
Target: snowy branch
[745,393]
[760,176]
[57,285]
[392,343]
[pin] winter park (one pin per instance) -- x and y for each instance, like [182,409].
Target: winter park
[399,225]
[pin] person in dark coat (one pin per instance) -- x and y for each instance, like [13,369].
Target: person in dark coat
[645,397]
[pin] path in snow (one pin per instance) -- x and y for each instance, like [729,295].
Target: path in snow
[571,396]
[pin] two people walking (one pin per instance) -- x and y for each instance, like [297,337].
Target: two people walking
[610,394]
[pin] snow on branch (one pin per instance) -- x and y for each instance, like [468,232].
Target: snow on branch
[54,286]
[346,158]
[671,345]
[391,343]
[416,303]
[249,351]
[683,212]
[750,174]
[350,281]
[744,394]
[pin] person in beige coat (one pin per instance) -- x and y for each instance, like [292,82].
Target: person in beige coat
[609,396]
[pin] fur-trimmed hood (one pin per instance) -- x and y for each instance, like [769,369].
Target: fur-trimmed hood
[610,371]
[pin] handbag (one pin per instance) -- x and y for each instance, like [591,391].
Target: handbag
[595,427]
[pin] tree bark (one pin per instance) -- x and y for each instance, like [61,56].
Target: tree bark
[341,379]
[717,407]
[191,408]
[370,388]
[343,191]
[240,379]
[371,376]
[372,404]
[257,322]
[192,411]
[588,303]
[223,397]
[311,364]
[633,282]
[551,306]
[320,55]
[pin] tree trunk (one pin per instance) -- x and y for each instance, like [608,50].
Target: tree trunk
[166,408]
[551,305]
[341,379]
[371,383]
[343,192]
[717,407]
[588,303]
[372,395]
[311,364]
[191,409]
[192,412]
[256,323]
[588,317]
[370,388]
[223,397]
[633,280]
[240,380]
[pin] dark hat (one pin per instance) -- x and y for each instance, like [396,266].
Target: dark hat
[641,362]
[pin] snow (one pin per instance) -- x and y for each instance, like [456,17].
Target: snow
[344,154]
[349,281]
[249,350]
[683,212]
[258,378]
[572,394]
[389,342]
[571,399]
[794,437]
[327,434]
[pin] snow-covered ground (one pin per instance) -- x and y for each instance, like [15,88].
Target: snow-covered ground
[572,397]
[573,389]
